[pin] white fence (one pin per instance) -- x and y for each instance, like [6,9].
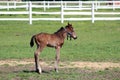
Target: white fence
[77,8]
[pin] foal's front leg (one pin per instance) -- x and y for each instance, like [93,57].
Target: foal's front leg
[57,58]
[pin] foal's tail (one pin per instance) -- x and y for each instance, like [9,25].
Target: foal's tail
[32,41]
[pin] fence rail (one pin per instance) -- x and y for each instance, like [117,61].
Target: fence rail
[88,8]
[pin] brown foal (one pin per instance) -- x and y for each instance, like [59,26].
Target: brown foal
[54,40]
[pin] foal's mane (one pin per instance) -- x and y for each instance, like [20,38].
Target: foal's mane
[59,30]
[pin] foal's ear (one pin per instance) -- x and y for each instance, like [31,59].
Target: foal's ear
[62,27]
[69,24]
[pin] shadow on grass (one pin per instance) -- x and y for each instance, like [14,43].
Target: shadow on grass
[33,71]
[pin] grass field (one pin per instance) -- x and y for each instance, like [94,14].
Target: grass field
[98,42]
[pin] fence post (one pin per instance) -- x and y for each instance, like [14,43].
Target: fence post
[62,13]
[44,3]
[30,12]
[93,12]
[27,5]
[48,5]
[14,4]
[113,5]
[8,5]
[80,4]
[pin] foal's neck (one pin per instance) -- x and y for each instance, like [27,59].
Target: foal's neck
[61,33]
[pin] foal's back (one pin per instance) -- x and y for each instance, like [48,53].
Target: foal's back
[50,40]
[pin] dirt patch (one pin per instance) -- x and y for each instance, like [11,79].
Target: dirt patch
[15,62]
[78,64]
[96,65]
[25,70]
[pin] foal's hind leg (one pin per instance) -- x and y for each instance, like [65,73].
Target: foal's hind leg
[36,56]
[57,58]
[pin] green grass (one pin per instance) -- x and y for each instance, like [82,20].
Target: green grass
[96,42]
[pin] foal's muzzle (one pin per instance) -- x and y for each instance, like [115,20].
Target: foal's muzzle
[71,35]
[75,37]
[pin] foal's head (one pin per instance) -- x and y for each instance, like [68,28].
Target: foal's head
[70,31]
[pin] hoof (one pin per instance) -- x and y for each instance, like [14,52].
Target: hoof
[38,71]
[56,70]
